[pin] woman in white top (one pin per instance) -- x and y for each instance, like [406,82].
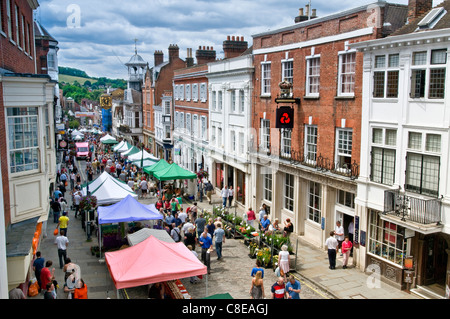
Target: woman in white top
[283,260]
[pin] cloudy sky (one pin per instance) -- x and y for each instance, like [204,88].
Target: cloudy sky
[98,36]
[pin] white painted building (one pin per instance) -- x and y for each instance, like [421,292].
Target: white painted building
[230,95]
[403,197]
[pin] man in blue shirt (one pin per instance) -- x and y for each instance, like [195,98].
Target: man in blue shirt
[57,193]
[205,242]
[265,223]
[219,235]
[293,288]
[169,219]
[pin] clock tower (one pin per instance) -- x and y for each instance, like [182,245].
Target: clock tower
[136,70]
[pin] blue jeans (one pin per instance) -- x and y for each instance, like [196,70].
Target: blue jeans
[219,249]
[56,217]
[224,201]
[62,254]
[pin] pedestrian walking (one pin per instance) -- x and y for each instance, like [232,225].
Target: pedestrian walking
[38,265]
[76,202]
[219,235]
[200,223]
[230,195]
[293,288]
[209,189]
[283,260]
[211,227]
[47,275]
[63,223]
[62,242]
[257,287]
[251,217]
[257,268]
[56,208]
[224,193]
[351,232]
[339,233]
[189,237]
[332,245]
[279,289]
[200,190]
[205,242]
[49,291]
[346,248]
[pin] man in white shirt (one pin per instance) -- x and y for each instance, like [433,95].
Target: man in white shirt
[224,194]
[182,215]
[332,245]
[76,202]
[62,242]
[339,232]
[230,195]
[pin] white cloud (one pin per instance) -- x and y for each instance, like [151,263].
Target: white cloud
[107,29]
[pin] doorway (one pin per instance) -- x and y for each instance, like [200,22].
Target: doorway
[435,260]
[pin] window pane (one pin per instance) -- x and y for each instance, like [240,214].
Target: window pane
[430,172]
[433,143]
[388,167]
[418,83]
[378,84]
[413,172]
[419,58]
[439,56]
[393,60]
[392,84]
[380,61]
[437,84]
[377,165]
[391,137]
[377,136]
[415,140]
[348,72]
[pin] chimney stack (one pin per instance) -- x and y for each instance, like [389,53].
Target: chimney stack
[234,47]
[304,15]
[205,55]
[174,52]
[418,7]
[189,58]
[158,57]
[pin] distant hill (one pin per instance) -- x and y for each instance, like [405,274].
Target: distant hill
[70,75]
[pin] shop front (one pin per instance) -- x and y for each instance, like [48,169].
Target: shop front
[405,255]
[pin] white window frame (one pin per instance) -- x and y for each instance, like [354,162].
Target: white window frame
[195,92]
[314,202]
[241,144]
[428,67]
[220,100]
[203,92]
[233,141]
[268,186]
[188,124]
[241,101]
[204,127]
[285,70]
[286,142]
[382,166]
[341,74]
[385,70]
[265,134]
[181,92]
[266,74]
[288,192]
[213,135]
[214,100]
[188,92]
[195,131]
[9,19]
[233,99]
[343,151]
[23,145]
[310,77]
[309,139]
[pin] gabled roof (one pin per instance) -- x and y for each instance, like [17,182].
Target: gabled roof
[438,21]
[41,32]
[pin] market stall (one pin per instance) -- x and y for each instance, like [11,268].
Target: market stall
[160,165]
[108,139]
[144,233]
[173,172]
[152,261]
[141,155]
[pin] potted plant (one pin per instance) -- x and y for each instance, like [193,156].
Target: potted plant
[88,203]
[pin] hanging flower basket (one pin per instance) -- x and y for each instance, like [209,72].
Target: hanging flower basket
[88,203]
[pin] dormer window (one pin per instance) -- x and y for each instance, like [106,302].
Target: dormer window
[431,18]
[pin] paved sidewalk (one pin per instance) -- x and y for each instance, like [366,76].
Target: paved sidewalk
[312,265]
[350,283]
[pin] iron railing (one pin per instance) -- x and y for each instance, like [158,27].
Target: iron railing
[320,163]
[409,208]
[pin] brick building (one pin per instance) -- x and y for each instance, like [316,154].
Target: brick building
[27,155]
[157,81]
[308,173]
[191,109]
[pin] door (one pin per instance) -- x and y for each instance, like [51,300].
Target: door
[435,257]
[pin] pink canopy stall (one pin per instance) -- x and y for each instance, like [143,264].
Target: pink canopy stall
[152,261]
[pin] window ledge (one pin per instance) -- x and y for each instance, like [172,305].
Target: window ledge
[265,96]
[344,97]
[310,97]
[3,33]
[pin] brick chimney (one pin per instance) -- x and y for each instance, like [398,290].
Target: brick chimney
[234,46]
[302,16]
[189,58]
[205,55]
[174,52]
[158,57]
[418,7]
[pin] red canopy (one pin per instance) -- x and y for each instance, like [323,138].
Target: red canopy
[152,261]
